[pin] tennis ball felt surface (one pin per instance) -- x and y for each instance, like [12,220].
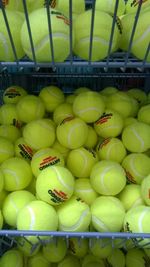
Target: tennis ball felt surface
[55,185]
[8,115]
[109,6]
[136,257]
[108,91]
[12,258]
[143,114]
[38,260]
[6,149]
[138,94]
[28,249]
[61,112]
[80,90]
[68,261]
[107,214]
[101,248]
[55,251]
[77,6]
[132,6]
[117,258]
[92,138]
[89,260]
[13,94]
[10,132]
[1,220]
[145,190]
[61,149]
[84,190]
[78,247]
[1,181]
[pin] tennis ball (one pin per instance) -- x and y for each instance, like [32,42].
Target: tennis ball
[88,106]
[61,149]
[3,194]
[23,150]
[10,132]
[61,112]
[135,137]
[12,258]
[110,124]
[17,174]
[101,35]
[27,248]
[131,196]
[107,214]
[136,166]
[13,94]
[116,259]
[30,108]
[145,190]
[108,91]
[47,133]
[72,132]
[60,35]
[55,185]
[6,149]
[90,260]
[80,161]
[136,256]
[80,90]
[80,218]
[37,215]
[8,115]
[38,260]
[1,220]
[109,6]
[112,149]
[69,261]
[143,114]
[55,250]
[1,182]
[15,22]
[100,248]
[129,121]
[70,98]
[77,6]
[13,203]
[52,97]
[132,5]
[44,158]
[84,190]
[78,247]
[108,177]
[92,138]
[138,94]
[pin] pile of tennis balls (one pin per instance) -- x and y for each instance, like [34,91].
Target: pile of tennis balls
[81,26]
[77,163]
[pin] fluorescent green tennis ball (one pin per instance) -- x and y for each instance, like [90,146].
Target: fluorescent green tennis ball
[13,94]
[69,261]
[136,166]
[108,177]
[109,6]
[15,23]
[136,256]
[60,34]
[23,150]
[30,108]
[78,247]
[92,138]
[112,149]
[72,132]
[38,260]
[138,94]
[3,195]
[135,137]
[132,6]
[143,114]
[17,174]
[8,115]
[70,98]
[77,6]
[74,215]
[55,185]
[61,149]
[127,22]
[12,258]
[110,124]
[52,97]
[10,132]
[84,190]
[100,248]
[1,183]
[61,112]
[1,220]
[37,215]
[6,149]
[108,91]
[107,214]
[27,248]
[55,250]
[145,190]
[88,106]
[101,35]
[90,260]
[129,121]
[80,90]
[80,162]
[130,196]
[47,133]
[44,158]
[116,259]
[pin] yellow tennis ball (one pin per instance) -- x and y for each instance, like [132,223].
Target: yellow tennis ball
[80,218]
[78,247]
[23,150]
[38,260]
[109,6]
[112,149]
[6,149]
[12,258]
[136,256]
[101,35]
[130,196]
[47,133]
[61,112]
[3,194]
[72,132]
[1,183]
[132,6]
[116,259]
[90,260]
[52,97]
[129,121]
[60,34]
[61,149]
[110,124]
[68,261]
[17,174]
[55,250]
[80,161]
[84,190]
[135,137]
[88,106]
[13,94]
[1,220]
[145,190]
[44,158]
[27,248]
[104,208]
[55,185]
[77,6]
[136,166]
[15,24]
[138,94]
[108,177]
[101,248]
[143,114]
[108,91]
[10,132]
[70,98]
[13,203]
[9,115]
[80,90]
[92,138]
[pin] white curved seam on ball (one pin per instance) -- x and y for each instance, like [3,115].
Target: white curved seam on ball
[39,154]
[137,203]
[109,148]
[84,190]
[85,162]
[61,180]
[5,44]
[72,132]
[32,218]
[95,38]
[117,203]
[53,94]
[79,112]
[141,220]
[100,223]
[102,177]
[77,224]
[13,203]
[110,127]
[45,125]
[138,137]
[7,171]
[132,164]
[142,37]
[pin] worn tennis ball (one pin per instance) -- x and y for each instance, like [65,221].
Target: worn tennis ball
[107,214]
[55,250]
[84,190]
[136,166]
[68,261]
[55,185]
[116,259]
[78,247]
[13,94]
[145,190]
[109,6]
[6,149]
[135,137]
[136,256]
[101,248]
[47,133]
[10,132]
[44,158]
[17,174]
[23,150]
[143,114]
[12,258]
[80,218]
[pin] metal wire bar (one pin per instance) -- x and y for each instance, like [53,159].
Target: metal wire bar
[71,31]
[92,31]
